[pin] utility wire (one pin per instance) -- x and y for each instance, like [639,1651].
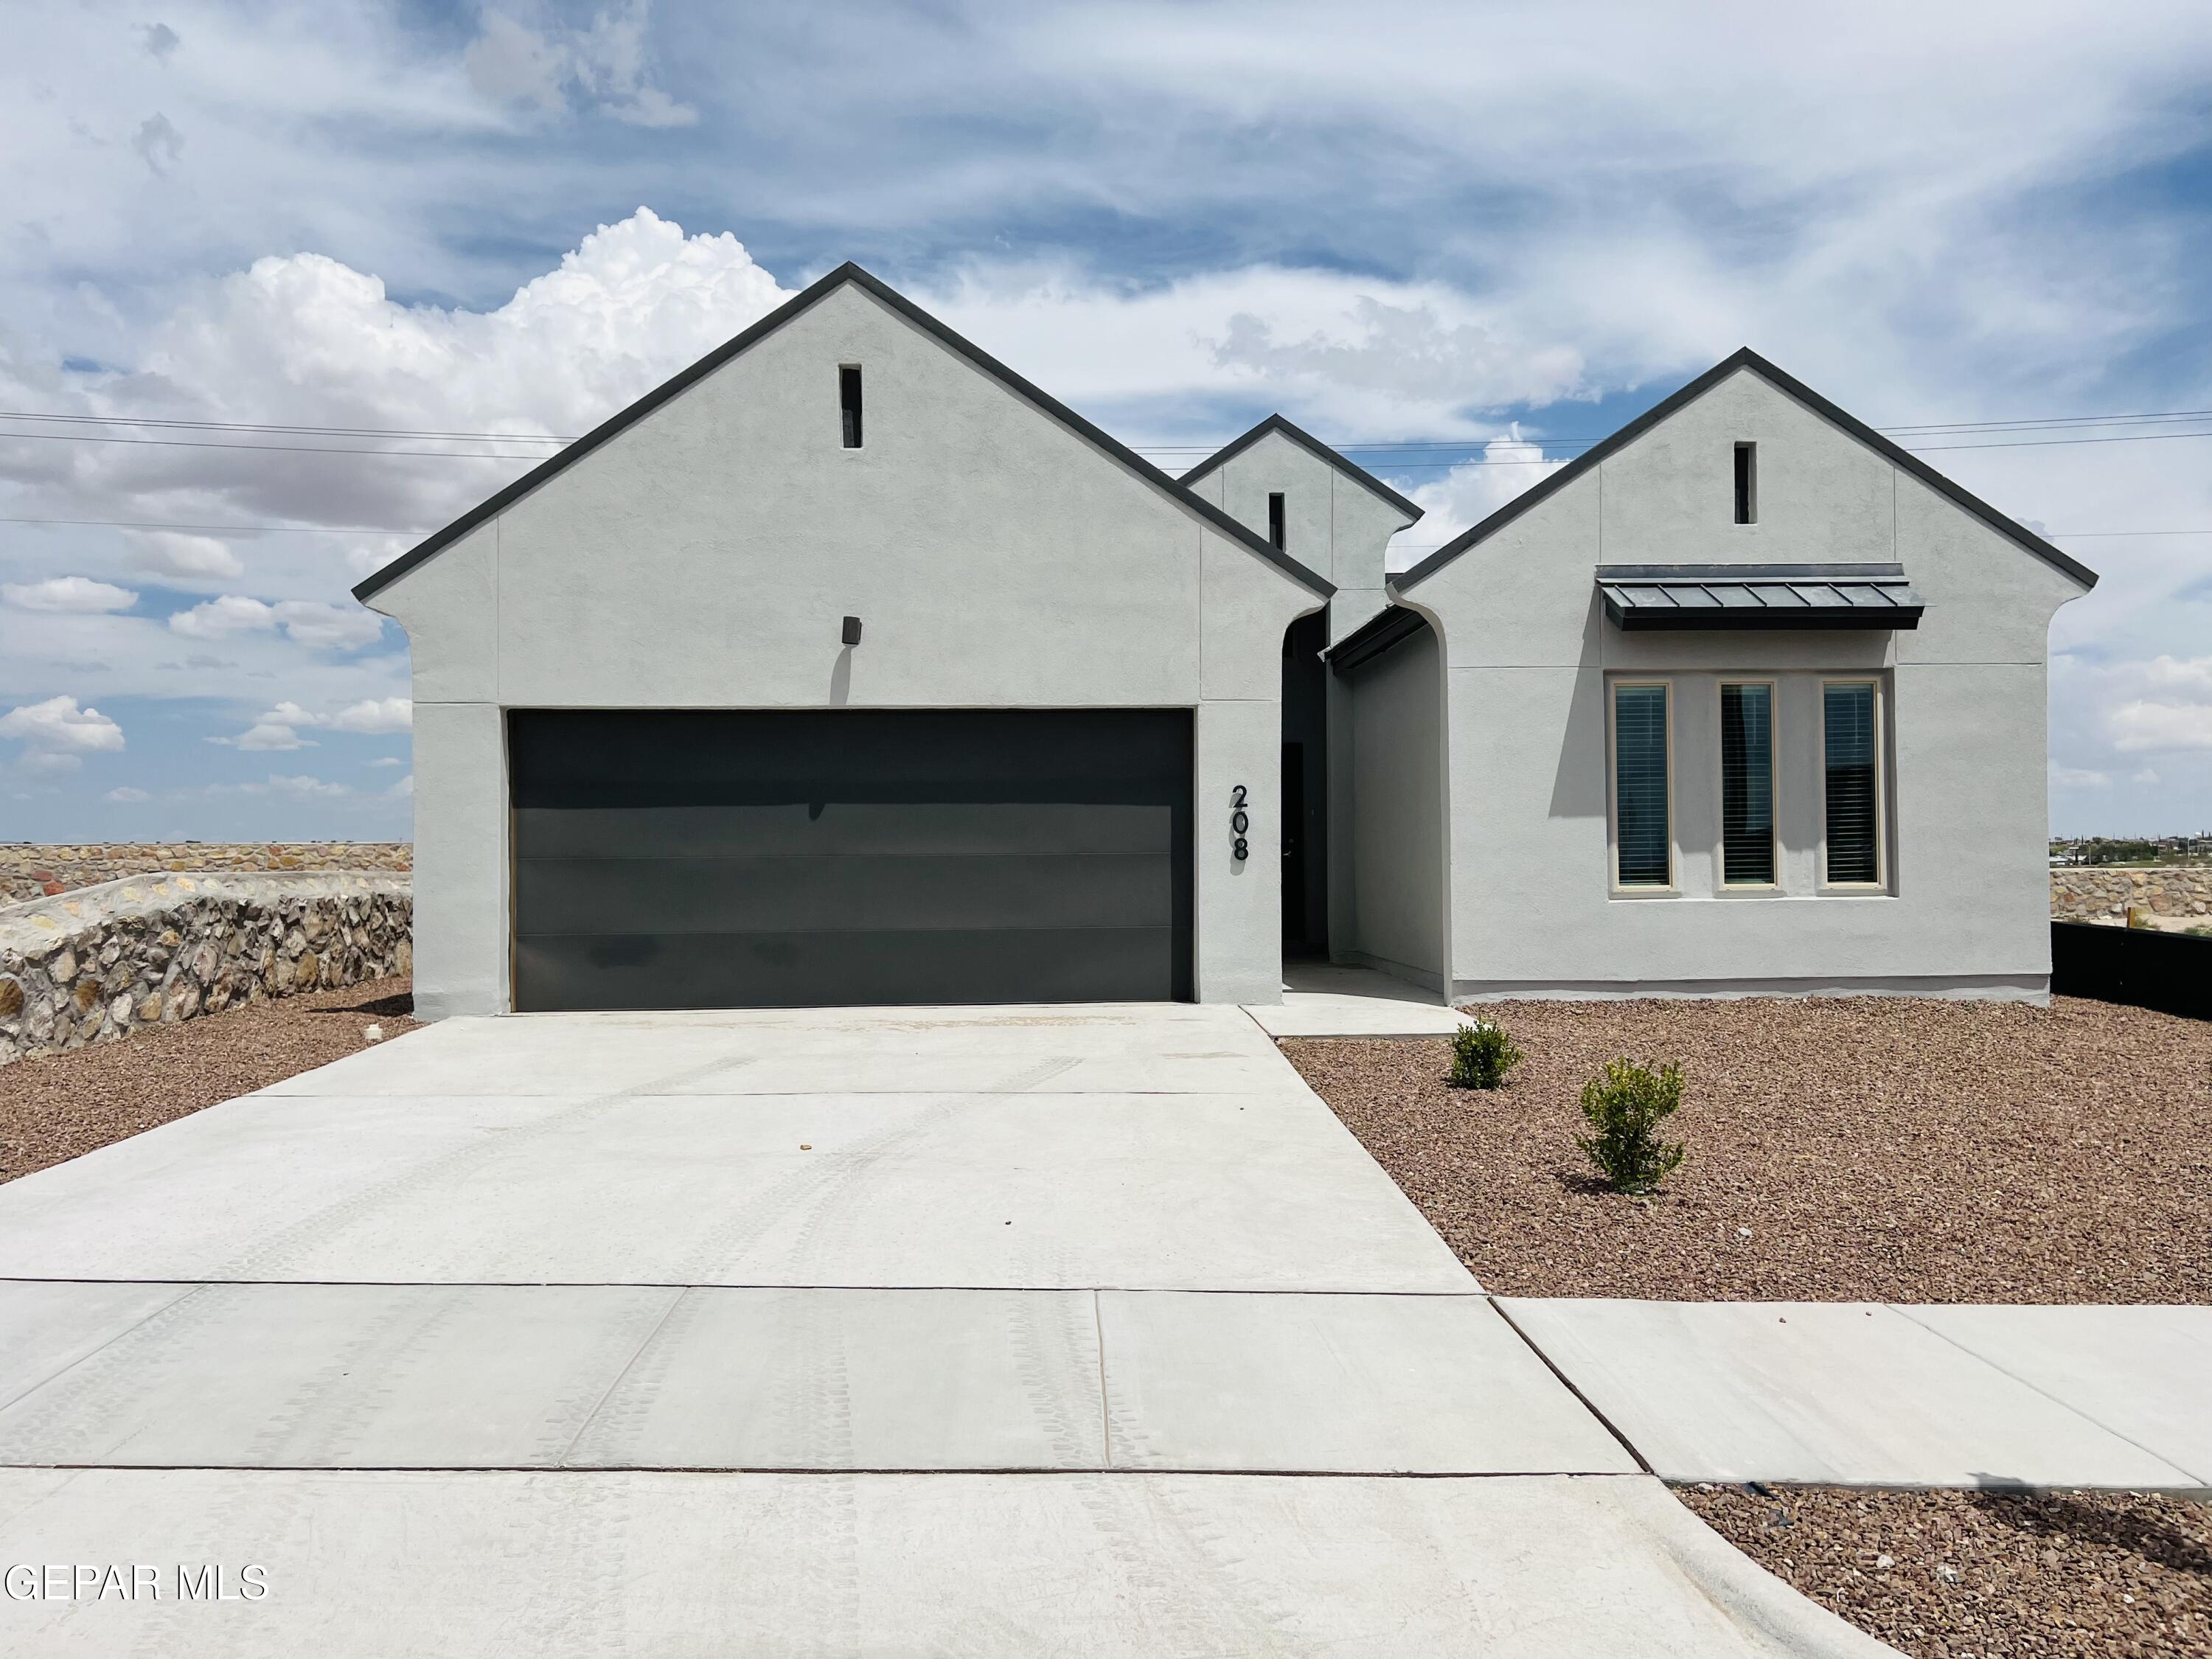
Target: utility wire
[1929,428]
[256,426]
[1401,466]
[274,449]
[241,529]
[369,530]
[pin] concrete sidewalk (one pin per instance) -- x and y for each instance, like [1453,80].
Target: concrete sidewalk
[1858,1393]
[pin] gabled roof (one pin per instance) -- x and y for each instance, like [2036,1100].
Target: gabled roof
[797,305]
[1358,474]
[1790,388]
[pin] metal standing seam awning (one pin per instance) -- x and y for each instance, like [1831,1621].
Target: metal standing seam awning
[1717,596]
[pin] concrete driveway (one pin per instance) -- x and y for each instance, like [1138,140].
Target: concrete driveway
[979,1331]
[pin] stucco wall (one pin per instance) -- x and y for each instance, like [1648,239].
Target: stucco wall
[703,558]
[1397,814]
[1528,654]
[1332,524]
[1336,525]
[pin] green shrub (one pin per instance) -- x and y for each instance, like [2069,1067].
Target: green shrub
[1481,1055]
[1625,1107]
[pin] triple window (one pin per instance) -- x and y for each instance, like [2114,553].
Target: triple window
[1752,757]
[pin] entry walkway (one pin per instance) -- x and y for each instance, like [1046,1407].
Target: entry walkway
[1861,1394]
[987,1330]
[1325,999]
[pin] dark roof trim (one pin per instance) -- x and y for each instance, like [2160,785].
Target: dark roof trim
[1705,597]
[1381,632]
[1213,516]
[1789,386]
[1358,474]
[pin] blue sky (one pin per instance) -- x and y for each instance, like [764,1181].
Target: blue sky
[1500,228]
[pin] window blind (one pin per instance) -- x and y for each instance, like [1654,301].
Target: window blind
[1854,822]
[1747,783]
[1639,768]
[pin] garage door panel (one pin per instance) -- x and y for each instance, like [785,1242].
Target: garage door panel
[682,757]
[788,894]
[824,828]
[696,970]
[755,858]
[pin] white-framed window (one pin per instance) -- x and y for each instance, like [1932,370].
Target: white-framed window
[1643,763]
[1747,770]
[1853,849]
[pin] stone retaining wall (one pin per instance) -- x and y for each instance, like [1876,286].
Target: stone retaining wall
[99,963]
[31,870]
[2101,892]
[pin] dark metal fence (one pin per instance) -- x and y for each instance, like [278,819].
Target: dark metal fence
[2139,966]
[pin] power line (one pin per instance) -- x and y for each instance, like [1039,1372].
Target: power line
[1401,466]
[370,529]
[1559,443]
[274,449]
[241,529]
[258,426]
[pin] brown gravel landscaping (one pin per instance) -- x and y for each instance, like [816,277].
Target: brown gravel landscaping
[1840,1150]
[56,1107]
[1981,1575]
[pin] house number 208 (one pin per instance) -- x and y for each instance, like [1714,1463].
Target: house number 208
[1239,823]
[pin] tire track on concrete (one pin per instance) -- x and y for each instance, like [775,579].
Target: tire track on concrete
[828,1192]
[1122,1515]
[270,1257]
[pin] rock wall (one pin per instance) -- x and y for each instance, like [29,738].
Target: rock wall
[2101,892]
[100,962]
[31,870]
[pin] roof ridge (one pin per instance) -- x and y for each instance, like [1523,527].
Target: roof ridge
[1745,358]
[1278,422]
[791,309]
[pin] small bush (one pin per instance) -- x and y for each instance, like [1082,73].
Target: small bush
[1625,1107]
[1481,1055]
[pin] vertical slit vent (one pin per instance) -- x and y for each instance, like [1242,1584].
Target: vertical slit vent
[849,399]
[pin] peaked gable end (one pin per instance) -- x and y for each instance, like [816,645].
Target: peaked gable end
[1213,517]
[1306,440]
[1749,361]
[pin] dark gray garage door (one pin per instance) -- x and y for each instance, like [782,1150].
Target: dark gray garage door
[722,859]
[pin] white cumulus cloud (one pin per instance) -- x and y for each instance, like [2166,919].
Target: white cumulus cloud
[176,554]
[80,594]
[278,729]
[307,338]
[375,714]
[126,795]
[56,735]
[2139,727]
[224,616]
[307,622]
[1469,493]
[335,627]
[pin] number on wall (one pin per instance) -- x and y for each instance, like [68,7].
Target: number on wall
[1239,823]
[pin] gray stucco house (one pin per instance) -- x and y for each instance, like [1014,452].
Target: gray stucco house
[849,668]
